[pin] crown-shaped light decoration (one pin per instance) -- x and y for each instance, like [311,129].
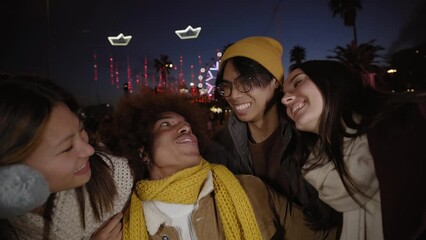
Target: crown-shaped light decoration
[188,33]
[120,40]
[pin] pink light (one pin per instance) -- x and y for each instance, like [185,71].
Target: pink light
[129,76]
[111,70]
[117,79]
[145,69]
[95,67]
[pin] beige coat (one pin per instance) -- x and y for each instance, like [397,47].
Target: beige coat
[359,223]
[275,217]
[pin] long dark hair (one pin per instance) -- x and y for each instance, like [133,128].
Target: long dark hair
[25,107]
[348,103]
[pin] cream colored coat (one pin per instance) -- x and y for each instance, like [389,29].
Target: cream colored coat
[358,223]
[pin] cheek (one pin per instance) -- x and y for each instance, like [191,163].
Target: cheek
[319,103]
[317,113]
[57,173]
[159,147]
[262,95]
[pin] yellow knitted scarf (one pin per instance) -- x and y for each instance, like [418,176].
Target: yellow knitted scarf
[234,207]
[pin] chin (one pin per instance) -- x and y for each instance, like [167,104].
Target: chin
[244,118]
[82,180]
[304,128]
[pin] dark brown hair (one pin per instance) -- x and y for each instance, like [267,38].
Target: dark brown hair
[348,103]
[25,107]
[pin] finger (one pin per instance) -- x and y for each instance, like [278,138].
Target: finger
[112,223]
[104,232]
[119,235]
[117,232]
[109,225]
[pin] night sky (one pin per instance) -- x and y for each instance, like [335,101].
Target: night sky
[78,29]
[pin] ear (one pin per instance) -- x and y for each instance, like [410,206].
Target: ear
[144,156]
[276,83]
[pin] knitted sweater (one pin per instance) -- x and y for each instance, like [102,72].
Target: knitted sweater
[66,213]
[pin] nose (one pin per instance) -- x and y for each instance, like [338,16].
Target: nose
[287,99]
[86,150]
[184,127]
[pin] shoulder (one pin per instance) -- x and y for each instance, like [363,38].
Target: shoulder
[114,162]
[121,172]
[253,186]
[246,180]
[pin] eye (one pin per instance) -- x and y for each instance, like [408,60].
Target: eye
[297,82]
[68,149]
[165,124]
[225,85]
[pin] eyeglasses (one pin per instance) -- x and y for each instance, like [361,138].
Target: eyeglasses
[242,83]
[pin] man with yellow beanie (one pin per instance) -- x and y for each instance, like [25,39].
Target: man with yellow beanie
[258,140]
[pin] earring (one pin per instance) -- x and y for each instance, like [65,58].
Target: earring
[147,161]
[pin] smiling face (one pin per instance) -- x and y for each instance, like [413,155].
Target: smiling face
[303,100]
[250,106]
[63,153]
[174,146]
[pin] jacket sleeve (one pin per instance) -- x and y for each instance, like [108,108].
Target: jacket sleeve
[276,217]
[293,221]
[360,165]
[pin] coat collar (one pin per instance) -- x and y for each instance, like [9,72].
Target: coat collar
[158,218]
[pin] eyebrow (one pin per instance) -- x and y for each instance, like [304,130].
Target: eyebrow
[163,117]
[226,81]
[293,78]
[168,117]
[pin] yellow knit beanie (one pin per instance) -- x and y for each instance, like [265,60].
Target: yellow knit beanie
[264,50]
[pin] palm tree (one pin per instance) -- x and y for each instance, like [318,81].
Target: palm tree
[297,55]
[357,56]
[347,10]
[360,58]
[163,66]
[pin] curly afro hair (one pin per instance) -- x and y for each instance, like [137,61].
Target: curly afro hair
[135,117]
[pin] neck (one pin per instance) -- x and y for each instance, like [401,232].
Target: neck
[262,129]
